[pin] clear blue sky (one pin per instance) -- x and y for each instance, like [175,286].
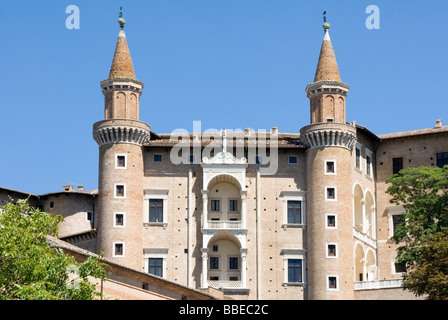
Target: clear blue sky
[229,64]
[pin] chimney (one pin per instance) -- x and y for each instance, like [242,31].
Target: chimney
[439,123]
[274,130]
[67,187]
[80,188]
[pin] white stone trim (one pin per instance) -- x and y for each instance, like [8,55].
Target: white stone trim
[155,194]
[115,190]
[336,247]
[293,254]
[124,219]
[125,161]
[121,134]
[293,196]
[113,249]
[325,167]
[335,193]
[155,253]
[328,282]
[335,221]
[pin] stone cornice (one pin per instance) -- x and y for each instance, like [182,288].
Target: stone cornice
[328,87]
[121,131]
[328,135]
[125,84]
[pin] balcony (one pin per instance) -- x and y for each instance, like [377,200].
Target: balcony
[378,284]
[225,284]
[224,224]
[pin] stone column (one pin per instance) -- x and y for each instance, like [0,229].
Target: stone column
[204,283]
[204,209]
[243,266]
[243,208]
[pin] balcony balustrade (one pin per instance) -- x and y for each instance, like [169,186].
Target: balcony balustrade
[224,224]
[378,284]
[225,284]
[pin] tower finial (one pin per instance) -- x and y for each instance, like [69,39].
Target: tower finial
[326,25]
[121,20]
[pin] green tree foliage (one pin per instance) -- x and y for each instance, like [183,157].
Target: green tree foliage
[30,269]
[423,193]
[430,273]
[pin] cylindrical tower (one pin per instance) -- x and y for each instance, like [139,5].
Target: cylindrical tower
[329,178]
[329,210]
[120,183]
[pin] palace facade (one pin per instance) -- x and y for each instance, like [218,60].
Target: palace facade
[257,215]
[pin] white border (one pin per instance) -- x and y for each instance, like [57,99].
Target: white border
[125,161]
[124,190]
[335,193]
[328,282]
[155,194]
[156,253]
[293,254]
[293,196]
[115,219]
[325,167]
[335,247]
[335,221]
[113,249]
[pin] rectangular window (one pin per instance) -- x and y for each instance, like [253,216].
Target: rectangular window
[258,160]
[119,190]
[191,158]
[233,205]
[155,266]
[358,158]
[295,212]
[442,159]
[397,165]
[294,270]
[118,249]
[368,165]
[332,282]
[292,160]
[233,278]
[157,158]
[119,219]
[155,210]
[121,161]
[397,220]
[331,194]
[215,205]
[329,167]
[214,263]
[331,250]
[331,221]
[400,267]
[233,263]
[90,218]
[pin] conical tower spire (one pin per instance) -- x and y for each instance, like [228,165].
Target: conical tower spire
[327,67]
[327,93]
[122,63]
